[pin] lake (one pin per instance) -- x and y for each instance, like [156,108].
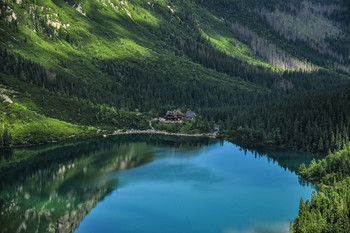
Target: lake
[150,183]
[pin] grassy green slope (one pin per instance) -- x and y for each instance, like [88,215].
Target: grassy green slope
[29,127]
[100,32]
[34,115]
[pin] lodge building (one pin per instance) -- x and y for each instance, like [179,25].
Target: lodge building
[175,115]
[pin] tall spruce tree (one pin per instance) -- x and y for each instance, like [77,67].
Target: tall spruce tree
[1,138]
[6,137]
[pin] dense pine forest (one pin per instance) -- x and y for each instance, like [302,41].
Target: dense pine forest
[316,122]
[270,72]
[328,210]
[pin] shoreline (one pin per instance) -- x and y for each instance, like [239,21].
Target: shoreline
[127,132]
[235,141]
[152,131]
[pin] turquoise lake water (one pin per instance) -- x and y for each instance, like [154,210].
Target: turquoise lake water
[140,183]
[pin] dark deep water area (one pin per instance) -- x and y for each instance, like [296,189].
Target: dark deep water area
[150,183]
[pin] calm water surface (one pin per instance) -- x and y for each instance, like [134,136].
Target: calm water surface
[137,183]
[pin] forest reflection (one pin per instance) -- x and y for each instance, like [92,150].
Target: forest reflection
[51,188]
[287,159]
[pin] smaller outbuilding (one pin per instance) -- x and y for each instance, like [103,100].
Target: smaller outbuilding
[190,115]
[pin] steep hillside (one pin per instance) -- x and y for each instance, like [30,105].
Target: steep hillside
[80,38]
[215,57]
[287,33]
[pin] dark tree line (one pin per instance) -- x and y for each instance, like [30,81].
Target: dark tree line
[33,73]
[157,89]
[317,122]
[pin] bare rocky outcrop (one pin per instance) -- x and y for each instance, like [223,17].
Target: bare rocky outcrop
[4,96]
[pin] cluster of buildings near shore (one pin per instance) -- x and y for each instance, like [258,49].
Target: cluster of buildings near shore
[176,116]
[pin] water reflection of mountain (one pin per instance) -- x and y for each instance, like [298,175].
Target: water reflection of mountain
[51,188]
[287,159]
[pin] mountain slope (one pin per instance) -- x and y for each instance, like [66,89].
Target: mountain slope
[215,57]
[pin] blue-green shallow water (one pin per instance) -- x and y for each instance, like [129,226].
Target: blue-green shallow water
[150,184]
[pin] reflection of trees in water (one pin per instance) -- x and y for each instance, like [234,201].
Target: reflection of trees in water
[20,158]
[24,159]
[23,212]
[51,188]
[287,159]
[174,141]
[56,193]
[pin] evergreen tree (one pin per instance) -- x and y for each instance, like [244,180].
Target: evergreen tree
[1,138]
[6,137]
